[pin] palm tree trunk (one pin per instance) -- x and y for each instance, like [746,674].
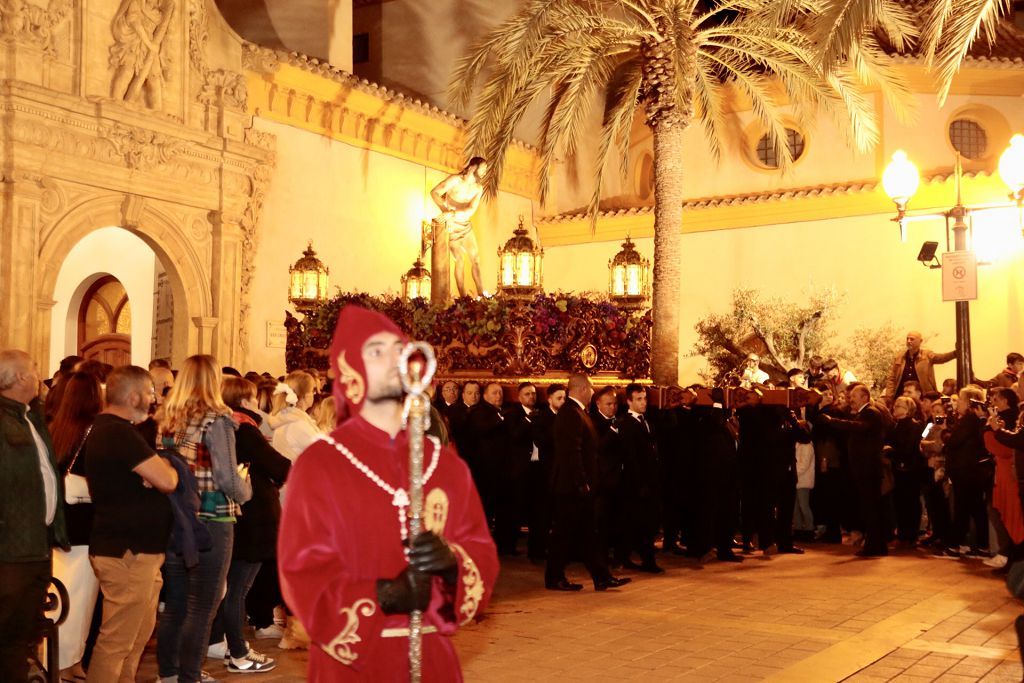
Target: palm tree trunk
[668,222]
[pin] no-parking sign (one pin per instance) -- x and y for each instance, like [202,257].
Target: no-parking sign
[959,276]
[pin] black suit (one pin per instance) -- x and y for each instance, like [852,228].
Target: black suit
[488,452]
[607,492]
[641,487]
[538,485]
[512,479]
[866,438]
[573,477]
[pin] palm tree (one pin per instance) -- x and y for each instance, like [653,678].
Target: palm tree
[677,60]
[948,29]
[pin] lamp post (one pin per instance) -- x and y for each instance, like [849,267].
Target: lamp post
[901,180]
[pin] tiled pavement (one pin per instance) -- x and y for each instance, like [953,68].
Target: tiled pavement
[824,616]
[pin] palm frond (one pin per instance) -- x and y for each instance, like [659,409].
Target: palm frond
[620,104]
[949,35]
[874,67]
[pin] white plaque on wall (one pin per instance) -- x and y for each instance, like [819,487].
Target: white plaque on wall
[959,276]
[277,335]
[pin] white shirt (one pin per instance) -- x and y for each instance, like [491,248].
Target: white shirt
[535,456]
[46,469]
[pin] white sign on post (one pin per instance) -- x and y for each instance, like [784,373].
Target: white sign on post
[277,335]
[959,276]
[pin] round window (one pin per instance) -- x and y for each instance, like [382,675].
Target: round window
[968,138]
[766,150]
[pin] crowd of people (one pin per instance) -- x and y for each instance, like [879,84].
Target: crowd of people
[159,492]
[155,496]
[616,480]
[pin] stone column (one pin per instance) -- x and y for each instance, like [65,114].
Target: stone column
[206,327]
[226,278]
[440,265]
[19,257]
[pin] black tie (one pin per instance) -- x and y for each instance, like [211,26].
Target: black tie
[643,422]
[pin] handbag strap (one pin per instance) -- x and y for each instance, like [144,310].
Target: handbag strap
[81,444]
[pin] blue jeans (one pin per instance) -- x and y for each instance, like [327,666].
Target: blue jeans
[230,619]
[190,599]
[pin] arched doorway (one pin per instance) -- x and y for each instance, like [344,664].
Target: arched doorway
[114,301]
[105,323]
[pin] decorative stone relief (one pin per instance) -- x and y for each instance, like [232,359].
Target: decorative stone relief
[224,87]
[250,240]
[259,59]
[140,56]
[143,149]
[218,87]
[31,24]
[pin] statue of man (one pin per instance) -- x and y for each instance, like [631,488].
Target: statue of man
[138,54]
[458,197]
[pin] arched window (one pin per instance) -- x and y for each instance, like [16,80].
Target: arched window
[105,323]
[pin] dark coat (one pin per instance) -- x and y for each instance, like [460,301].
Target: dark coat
[519,445]
[905,440]
[457,414]
[544,434]
[609,454]
[641,471]
[965,447]
[256,529]
[574,466]
[866,439]
[24,535]
[488,435]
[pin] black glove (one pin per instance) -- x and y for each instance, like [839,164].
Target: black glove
[429,554]
[408,591]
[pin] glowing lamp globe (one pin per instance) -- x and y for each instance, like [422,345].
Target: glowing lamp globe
[520,264]
[629,277]
[900,179]
[1011,166]
[309,282]
[416,282]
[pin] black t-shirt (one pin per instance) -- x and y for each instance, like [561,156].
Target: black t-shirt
[129,516]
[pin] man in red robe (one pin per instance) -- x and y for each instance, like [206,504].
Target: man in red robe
[346,568]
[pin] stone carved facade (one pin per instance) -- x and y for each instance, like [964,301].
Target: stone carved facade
[158,145]
[22,21]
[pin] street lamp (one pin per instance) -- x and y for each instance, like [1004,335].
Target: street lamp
[1011,170]
[309,281]
[628,277]
[520,265]
[901,180]
[416,281]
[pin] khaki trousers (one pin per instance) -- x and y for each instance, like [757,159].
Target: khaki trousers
[131,590]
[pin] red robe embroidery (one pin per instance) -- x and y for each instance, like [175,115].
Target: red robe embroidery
[340,533]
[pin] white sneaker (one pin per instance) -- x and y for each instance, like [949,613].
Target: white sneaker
[206,678]
[218,650]
[272,631]
[996,561]
[253,663]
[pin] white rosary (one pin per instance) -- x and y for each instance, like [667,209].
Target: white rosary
[399,497]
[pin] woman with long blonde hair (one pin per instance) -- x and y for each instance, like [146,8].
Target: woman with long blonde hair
[198,424]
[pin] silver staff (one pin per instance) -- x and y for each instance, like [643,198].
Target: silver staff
[416,375]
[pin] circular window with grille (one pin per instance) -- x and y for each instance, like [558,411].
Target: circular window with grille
[766,150]
[968,138]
